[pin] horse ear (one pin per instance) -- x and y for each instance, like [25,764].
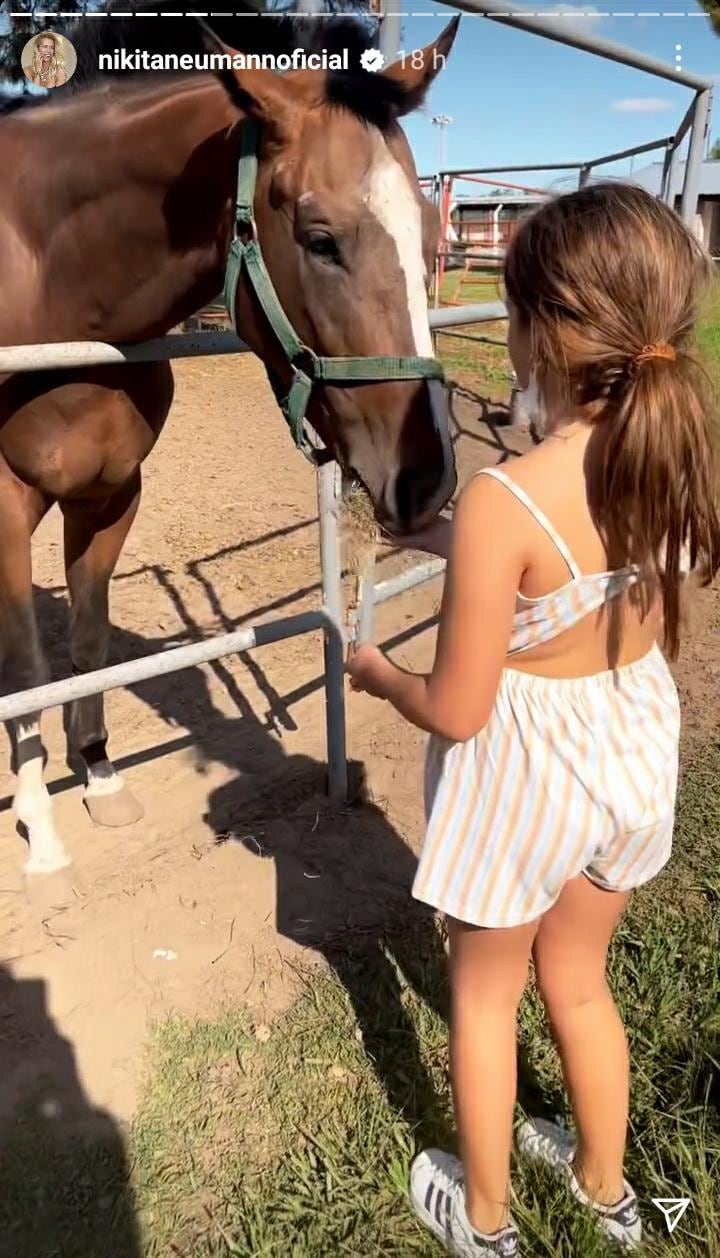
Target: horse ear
[416,71]
[261,94]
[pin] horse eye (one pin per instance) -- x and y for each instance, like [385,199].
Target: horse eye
[322,245]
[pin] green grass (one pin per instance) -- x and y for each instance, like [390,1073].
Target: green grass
[487,286]
[66,1177]
[298,1142]
[709,334]
[467,361]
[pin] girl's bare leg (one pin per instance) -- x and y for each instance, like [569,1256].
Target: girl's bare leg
[570,952]
[488,971]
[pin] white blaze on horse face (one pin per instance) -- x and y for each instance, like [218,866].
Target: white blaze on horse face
[32,803]
[392,200]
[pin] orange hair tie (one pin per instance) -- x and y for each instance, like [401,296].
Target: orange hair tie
[660,349]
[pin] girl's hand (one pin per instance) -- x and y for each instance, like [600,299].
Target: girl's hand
[368,669]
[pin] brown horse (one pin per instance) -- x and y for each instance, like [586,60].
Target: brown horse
[117,220]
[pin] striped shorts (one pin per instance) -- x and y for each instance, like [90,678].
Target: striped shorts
[567,777]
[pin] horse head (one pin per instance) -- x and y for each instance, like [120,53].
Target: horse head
[349,243]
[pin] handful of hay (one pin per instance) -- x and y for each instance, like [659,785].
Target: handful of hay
[359,530]
[360,537]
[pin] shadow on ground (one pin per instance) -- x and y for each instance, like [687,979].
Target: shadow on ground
[65,1177]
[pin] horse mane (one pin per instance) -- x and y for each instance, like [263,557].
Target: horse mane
[370,97]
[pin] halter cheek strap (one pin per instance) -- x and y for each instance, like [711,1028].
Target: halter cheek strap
[307,368]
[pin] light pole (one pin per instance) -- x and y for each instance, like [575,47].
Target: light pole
[443,122]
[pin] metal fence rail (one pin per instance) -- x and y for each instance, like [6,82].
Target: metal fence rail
[557,30]
[160,663]
[58,355]
[52,355]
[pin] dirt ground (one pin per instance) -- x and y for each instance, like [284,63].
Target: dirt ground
[239,869]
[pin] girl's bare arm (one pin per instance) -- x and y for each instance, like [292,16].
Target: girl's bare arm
[455,700]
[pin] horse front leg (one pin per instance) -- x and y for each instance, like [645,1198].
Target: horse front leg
[22,667]
[94,537]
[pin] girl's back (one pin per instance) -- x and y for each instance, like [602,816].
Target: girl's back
[567,569]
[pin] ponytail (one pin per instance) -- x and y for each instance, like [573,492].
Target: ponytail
[656,495]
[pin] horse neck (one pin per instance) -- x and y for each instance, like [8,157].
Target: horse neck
[130,237]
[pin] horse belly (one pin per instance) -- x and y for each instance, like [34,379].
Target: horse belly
[76,440]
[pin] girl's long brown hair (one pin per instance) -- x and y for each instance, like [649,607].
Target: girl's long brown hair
[608,281]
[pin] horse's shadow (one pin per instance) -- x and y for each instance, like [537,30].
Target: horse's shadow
[65,1175]
[242,742]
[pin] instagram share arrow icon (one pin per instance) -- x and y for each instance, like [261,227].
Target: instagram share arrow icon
[673,1208]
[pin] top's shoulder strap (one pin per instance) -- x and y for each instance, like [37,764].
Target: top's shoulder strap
[538,515]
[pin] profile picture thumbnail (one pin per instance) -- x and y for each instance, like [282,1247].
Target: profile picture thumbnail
[48,60]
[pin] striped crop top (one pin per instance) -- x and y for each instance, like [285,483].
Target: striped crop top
[539,620]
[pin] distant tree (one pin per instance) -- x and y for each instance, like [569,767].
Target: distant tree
[715,151]
[712,8]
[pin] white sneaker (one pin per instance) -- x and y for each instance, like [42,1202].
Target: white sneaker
[437,1193]
[542,1141]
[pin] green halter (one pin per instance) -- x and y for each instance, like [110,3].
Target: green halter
[308,368]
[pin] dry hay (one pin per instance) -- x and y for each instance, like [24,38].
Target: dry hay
[359,529]
[360,536]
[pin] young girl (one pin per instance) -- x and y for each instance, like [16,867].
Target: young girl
[552,766]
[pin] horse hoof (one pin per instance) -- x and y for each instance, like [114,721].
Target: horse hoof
[116,808]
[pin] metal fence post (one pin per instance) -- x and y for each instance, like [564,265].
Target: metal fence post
[366,602]
[696,152]
[329,492]
[666,191]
